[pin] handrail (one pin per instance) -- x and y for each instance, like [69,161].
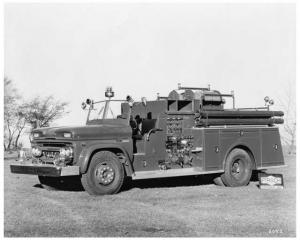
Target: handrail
[152,131]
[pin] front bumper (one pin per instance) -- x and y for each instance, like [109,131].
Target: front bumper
[43,169]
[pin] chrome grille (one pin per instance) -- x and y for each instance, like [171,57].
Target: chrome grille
[53,144]
[51,154]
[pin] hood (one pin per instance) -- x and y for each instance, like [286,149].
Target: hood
[102,131]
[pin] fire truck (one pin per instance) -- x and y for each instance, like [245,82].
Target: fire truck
[188,132]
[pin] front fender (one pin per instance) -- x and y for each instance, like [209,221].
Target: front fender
[85,156]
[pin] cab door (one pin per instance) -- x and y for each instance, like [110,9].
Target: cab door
[155,142]
[149,145]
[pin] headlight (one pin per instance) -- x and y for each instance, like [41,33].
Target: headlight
[66,152]
[36,135]
[67,135]
[184,142]
[36,151]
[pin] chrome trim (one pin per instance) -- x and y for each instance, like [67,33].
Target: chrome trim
[267,167]
[24,167]
[197,149]
[172,173]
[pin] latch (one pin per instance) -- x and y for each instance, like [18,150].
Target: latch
[217,149]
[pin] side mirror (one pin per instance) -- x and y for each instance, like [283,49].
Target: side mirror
[144,101]
[88,101]
[130,100]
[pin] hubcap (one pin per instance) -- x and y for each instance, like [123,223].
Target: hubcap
[237,169]
[104,174]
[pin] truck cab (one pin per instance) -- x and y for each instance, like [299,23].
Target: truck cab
[186,133]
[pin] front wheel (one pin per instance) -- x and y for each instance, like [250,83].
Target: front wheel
[105,174]
[238,168]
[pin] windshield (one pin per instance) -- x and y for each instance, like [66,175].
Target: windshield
[110,109]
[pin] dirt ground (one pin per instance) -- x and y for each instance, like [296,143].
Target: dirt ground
[174,207]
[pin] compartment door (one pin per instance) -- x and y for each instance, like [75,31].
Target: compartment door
[212,150]
[271,148]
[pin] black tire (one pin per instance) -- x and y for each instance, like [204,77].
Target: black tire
[218,181]
[49,183]
[105,174]
[238,168]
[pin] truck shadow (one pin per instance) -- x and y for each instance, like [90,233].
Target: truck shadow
[62,188]
[168,182]
[71,183]
[177,181]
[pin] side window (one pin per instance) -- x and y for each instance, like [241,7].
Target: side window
[149,115]
[136,124]
[147,125]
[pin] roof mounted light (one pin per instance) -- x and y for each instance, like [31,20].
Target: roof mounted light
[268,102]
[267,99]
[109,93]
[83,105]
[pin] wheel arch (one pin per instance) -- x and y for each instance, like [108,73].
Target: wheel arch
[243,147]
[118,150]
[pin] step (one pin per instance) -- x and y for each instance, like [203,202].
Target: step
[139,154]
[172,173]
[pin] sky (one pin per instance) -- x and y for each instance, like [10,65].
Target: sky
[74,51]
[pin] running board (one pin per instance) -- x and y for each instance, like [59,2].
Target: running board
[171,173]
[267,167]
[139,154]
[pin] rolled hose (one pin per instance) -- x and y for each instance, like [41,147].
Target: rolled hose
[240,114]
[247,121]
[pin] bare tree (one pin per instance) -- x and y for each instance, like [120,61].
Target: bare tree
[11,98]
[19,126]
[287,102]
[20,114]
[43,110]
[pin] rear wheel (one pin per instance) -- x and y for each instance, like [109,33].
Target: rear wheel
[238,168]
[218,181]
[105,174]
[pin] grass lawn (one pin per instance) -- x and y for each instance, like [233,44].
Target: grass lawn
[175,207]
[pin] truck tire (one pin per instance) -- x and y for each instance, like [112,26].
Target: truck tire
[238,168]
[105,174]
[218,181]
[49,183]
